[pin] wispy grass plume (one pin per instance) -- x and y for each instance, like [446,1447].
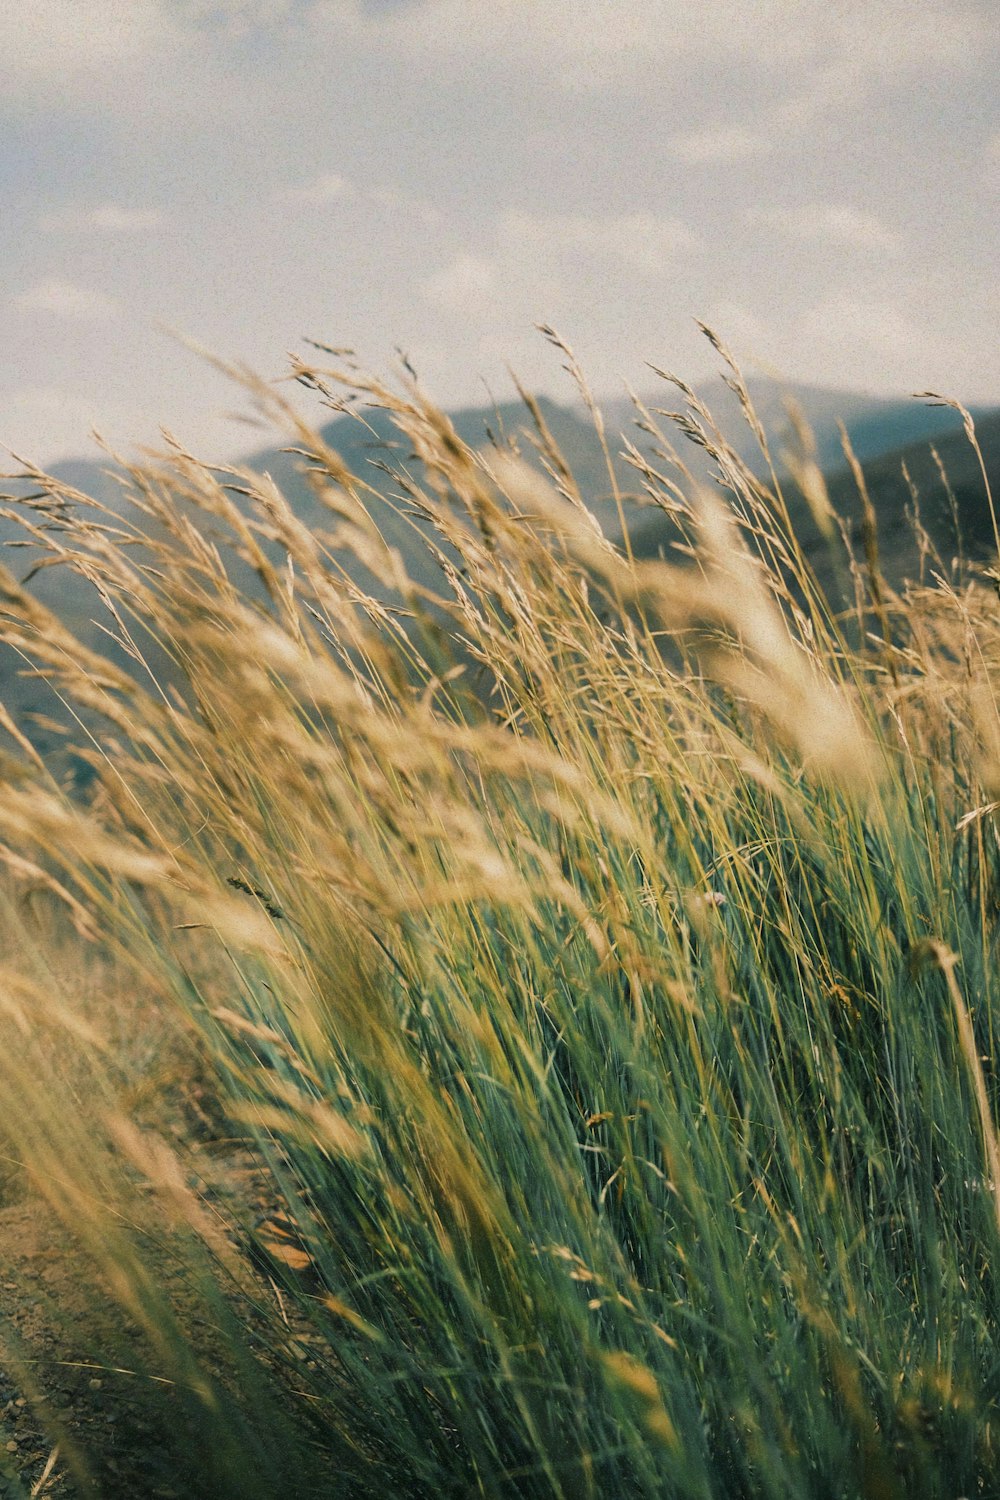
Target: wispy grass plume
[597,955]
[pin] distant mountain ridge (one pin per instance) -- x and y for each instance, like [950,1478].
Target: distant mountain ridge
[876,426]
[951,504]
[885,434]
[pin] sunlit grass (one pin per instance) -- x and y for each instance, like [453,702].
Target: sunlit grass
[599,954]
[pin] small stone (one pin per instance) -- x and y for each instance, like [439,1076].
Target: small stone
[12,1446]
[95,1384]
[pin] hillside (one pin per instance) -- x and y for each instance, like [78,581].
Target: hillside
[369,442]
[958,524]
[876,425]
[973,535]
[372,447]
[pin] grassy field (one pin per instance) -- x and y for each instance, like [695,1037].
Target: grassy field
[590,963]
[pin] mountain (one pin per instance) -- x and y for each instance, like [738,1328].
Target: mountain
[876,425]
[958,523]
[886,435]
[370,443]
[883,433]
[951,502]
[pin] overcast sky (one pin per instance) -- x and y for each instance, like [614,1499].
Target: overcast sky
[817,178]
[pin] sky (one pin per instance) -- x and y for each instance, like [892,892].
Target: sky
[816,179]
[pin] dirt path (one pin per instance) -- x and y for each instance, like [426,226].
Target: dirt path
[57,1331]
[74,1367]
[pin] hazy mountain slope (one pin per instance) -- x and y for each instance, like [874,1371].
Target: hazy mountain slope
[371,445]
[893,502]
[891,497]
[876,425]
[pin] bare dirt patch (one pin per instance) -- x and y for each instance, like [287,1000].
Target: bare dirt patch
[68,1369]
[78,1375]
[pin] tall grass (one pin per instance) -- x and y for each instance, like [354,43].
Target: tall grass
[600,954]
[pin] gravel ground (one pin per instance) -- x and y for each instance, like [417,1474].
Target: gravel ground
[77,1373]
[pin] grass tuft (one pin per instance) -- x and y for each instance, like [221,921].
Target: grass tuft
[592,957]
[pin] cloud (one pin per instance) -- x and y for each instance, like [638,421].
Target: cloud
[63,299]
[106,218]
[843,323]
[129,56]
[846,336]
[406,203]
[641,242]
[721,144]
[571,43]
[545,261]
[237,17]
[43,423]
[333,187]
[831,224]
[326,188]
[897,39]
[742,329]
[583,45]
[465,286]
[60,39]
